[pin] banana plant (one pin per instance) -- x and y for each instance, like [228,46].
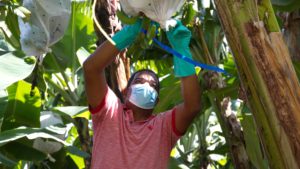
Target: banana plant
[262,76]
[47,87]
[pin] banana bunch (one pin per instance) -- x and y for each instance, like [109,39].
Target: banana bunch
[46,25]
[159,11]
[145,38]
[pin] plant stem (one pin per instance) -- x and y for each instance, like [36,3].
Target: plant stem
[266,14]
[61,91]
[75,97]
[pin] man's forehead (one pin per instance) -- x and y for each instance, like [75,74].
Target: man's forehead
[145,75]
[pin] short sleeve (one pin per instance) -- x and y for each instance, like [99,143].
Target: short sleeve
[107,108]
[168,118]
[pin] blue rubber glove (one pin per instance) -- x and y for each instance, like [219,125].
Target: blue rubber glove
[179,37]
[127,35]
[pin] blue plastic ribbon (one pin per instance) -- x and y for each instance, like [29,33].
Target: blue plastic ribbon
[189,60]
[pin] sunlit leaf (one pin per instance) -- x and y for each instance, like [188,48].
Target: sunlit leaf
[29,133]
[71,110]
[82,55]
[22,12]
[68,113]
[13,69]
[13,26]
[74,162]
[219,158]
[23,107]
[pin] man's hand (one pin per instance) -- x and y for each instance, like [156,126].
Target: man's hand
[179,37]
[127,35]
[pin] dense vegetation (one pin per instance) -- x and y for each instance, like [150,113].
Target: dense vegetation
[44,119]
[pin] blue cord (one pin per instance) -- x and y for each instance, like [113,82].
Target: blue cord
[175,53]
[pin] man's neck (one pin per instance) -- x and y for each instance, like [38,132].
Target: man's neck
[141,114]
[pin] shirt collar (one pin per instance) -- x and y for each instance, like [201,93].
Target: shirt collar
[129,116]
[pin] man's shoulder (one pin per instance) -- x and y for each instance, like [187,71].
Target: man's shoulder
[165,114]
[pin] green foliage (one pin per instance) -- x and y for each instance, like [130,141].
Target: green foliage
[80,33]
[55,82]
[190,10]
[13,68]
[23,106]
[30,133]
[10,10]
[12,149]
[14,140]
[3,104]
[286,5]
[169,95]
[203,144]
[68,113]
[252,141]
[6,161]
[297,68]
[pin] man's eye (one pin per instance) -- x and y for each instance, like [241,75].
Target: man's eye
[137,81]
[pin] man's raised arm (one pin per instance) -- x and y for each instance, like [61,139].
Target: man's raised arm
[179,37]
[95,83]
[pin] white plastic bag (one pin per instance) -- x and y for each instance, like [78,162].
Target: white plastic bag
[160,11]
[48,22]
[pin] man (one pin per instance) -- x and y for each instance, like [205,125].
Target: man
[128,136]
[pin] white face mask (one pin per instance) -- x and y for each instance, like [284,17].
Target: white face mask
[143,96]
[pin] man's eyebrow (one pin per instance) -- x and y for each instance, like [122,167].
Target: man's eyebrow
[139,78]
[153,81]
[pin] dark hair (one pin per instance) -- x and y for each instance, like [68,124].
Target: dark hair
[148,71]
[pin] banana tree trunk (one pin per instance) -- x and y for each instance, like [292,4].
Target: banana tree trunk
[268,76]
[118,72]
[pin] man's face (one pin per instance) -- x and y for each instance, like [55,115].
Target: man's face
[141,78]
[144,77]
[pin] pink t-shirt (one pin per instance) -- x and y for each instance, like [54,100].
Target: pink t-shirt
[121,143]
